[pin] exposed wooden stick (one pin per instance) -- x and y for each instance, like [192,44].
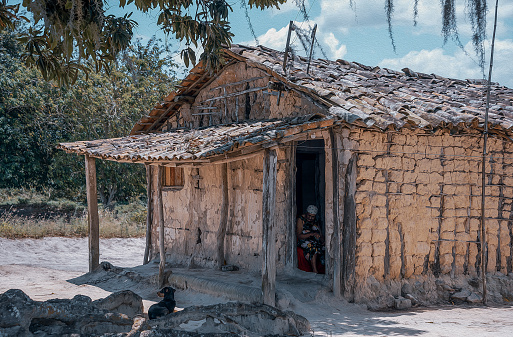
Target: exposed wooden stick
[311,49]
[483,163]
[160,206]
[234,94]
[189,88]
[268,219]
[221,234]
[287,47]
[92,214]
[149,215]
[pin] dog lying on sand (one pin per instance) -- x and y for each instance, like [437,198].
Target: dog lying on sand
[164,307]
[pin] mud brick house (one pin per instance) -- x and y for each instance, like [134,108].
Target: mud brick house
[391,158]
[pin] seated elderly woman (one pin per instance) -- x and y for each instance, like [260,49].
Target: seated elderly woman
[310,238]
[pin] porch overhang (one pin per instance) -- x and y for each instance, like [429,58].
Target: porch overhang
[214,144]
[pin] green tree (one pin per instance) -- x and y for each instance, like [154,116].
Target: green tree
[69,32]
[35,115]
[77,30]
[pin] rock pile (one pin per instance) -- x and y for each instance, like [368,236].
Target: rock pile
[121,314]
[428,290]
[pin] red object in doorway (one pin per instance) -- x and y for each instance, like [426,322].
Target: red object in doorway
[304,265]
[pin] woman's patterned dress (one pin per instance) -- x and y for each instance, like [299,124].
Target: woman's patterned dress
[310,245]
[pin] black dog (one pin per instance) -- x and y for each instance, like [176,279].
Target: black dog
[164,307]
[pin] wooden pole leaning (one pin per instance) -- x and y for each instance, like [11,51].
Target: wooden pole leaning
[311,49]
[482,228]
[162,246]
[149,215]
[221,235]
[268,219]
[287,46]
[92,214]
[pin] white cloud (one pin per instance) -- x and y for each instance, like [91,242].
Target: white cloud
[289,6]
[457,65]
[277,38]
[338,15]
[337,52]
[273,38]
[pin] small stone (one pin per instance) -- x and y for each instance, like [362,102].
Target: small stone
[461,295]
[474,282]
[389,300]
[413,300]
[229,267]
[406,289]
[402,303]
[82,298]
[441,284]
[474,298]
[419,287]
[381,302]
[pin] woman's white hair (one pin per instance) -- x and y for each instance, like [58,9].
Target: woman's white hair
[312,209]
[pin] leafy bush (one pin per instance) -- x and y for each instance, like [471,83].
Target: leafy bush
[36,115]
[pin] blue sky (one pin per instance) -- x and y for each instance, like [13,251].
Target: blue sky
[360,34]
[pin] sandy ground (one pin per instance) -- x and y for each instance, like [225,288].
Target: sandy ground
[43,269]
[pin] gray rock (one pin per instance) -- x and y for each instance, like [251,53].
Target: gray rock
[413,300]
[474,298]
[406,289]
[125,302]
[229,267]
[23,317]
[461,295]
[381,302]
[441,284]
[402,303]
[20,314]
[244,320]
[474,282]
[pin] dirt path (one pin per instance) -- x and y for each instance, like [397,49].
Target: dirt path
[42,267]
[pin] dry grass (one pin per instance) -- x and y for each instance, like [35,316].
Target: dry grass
[27,214]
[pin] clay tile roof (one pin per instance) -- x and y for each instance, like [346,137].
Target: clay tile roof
[197,145]
[368,97]
[380,97]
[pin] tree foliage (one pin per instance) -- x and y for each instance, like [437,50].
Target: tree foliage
[70,35]
[476,11]
[35,115]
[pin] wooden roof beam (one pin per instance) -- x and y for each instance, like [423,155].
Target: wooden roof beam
[162,116]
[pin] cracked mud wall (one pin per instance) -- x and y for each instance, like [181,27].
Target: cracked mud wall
[241,93]
[192,215]
[418,206]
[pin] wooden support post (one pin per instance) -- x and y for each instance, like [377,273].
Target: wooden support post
[162,245]
[268,219]
[92,214]
[224,216]
[348,228]
[337,268]
[149,215]
[292,240]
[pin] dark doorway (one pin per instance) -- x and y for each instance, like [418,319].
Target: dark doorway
[310,191]
[310,177]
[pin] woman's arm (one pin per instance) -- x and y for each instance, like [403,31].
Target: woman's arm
[299,231]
